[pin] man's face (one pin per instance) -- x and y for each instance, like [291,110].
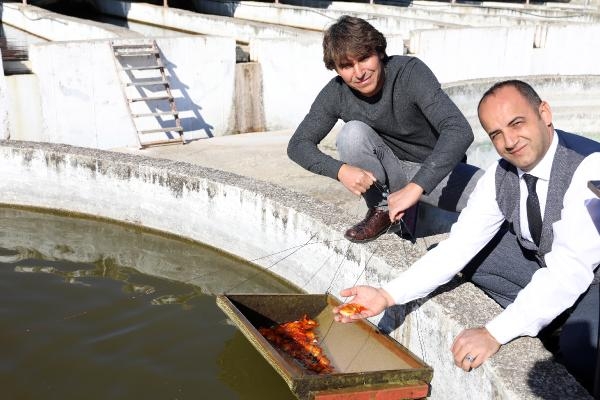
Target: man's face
[520,133]
[364,75]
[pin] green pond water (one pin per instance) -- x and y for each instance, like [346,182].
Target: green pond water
[95,310]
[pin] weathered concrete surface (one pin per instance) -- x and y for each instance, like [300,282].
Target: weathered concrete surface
[243,31]
[480,14]
[53,26]
[249,112]
[262,156]
[290,234]
[24,107]
[4,96]
[574,100]
[315,19]
[292,72]
[82,100]
[456,54]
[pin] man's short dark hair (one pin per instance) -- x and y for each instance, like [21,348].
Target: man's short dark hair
[523,88]
[351,36]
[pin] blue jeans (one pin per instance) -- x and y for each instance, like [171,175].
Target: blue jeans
[360,146]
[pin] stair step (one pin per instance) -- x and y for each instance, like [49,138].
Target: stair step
[165,141]
[156,130]
[150,98]
[156,114]
[133,46]
[135,53]
[148,83]
[143,67]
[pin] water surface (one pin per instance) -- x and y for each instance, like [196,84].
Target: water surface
[95,310]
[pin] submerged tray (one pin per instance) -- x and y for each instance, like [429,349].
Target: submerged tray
[362,357]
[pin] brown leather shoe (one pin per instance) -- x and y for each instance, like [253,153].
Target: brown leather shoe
[376,223]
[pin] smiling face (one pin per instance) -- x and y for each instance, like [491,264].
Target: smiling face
[520,132]
[365,75]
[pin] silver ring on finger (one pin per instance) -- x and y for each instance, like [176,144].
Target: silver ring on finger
[469,358]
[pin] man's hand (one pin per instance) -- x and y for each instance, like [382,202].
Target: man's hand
[375,300]
[472,347]
[403,199]
[355,179]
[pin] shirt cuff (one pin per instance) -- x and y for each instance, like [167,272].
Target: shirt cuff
[332,168]
[499,328]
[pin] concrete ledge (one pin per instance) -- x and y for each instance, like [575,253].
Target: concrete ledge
[53,26]
[242,30]
[574,100]
[4,121]
[287,233]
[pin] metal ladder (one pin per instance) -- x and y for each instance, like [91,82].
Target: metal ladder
[147,93]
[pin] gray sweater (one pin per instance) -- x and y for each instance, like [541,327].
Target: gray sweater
[411,113]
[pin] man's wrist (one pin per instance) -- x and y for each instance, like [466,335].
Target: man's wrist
[343,166]
[389,300]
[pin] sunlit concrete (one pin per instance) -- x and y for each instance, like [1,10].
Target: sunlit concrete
[475,14]
[4,120]
[574,100]
[52,26]
[289,234]
[256,220]
[243,31]
[83,103]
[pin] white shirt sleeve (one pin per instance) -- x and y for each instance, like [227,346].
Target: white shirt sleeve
[477,224]
[570,264]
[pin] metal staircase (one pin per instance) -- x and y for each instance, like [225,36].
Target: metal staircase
[147,92]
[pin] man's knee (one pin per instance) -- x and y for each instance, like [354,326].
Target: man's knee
[353,136]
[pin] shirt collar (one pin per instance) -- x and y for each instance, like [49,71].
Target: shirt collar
[544,167]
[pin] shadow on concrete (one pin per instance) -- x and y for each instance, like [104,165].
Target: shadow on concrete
[185,102]
[393,317]
[224,8]
[544,371]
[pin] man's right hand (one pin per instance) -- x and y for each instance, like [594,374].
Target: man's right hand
[375,300]
[355,179]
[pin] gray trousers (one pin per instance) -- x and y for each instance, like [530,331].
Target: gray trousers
[503,268]
[360,146]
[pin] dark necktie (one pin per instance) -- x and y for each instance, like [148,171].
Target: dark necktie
[534,216]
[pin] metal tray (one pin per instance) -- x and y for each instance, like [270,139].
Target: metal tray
[362,357]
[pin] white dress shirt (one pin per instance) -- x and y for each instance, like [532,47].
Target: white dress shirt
[570,263]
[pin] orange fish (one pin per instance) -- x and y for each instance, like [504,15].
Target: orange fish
[298,339]
[351,309]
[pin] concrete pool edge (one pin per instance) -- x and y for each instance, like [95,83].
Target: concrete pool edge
[271,226]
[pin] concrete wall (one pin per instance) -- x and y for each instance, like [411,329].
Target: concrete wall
[82,101]
[472,53]
[4,96]
[480,14]
[242,30]
[574,100]
[307,18]
[54,26]
[258,221]
[291,70]
[456,54]
[24,107]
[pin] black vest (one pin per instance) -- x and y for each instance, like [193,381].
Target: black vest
[571,150]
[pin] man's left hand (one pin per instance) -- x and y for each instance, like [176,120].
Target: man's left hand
[472,347]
